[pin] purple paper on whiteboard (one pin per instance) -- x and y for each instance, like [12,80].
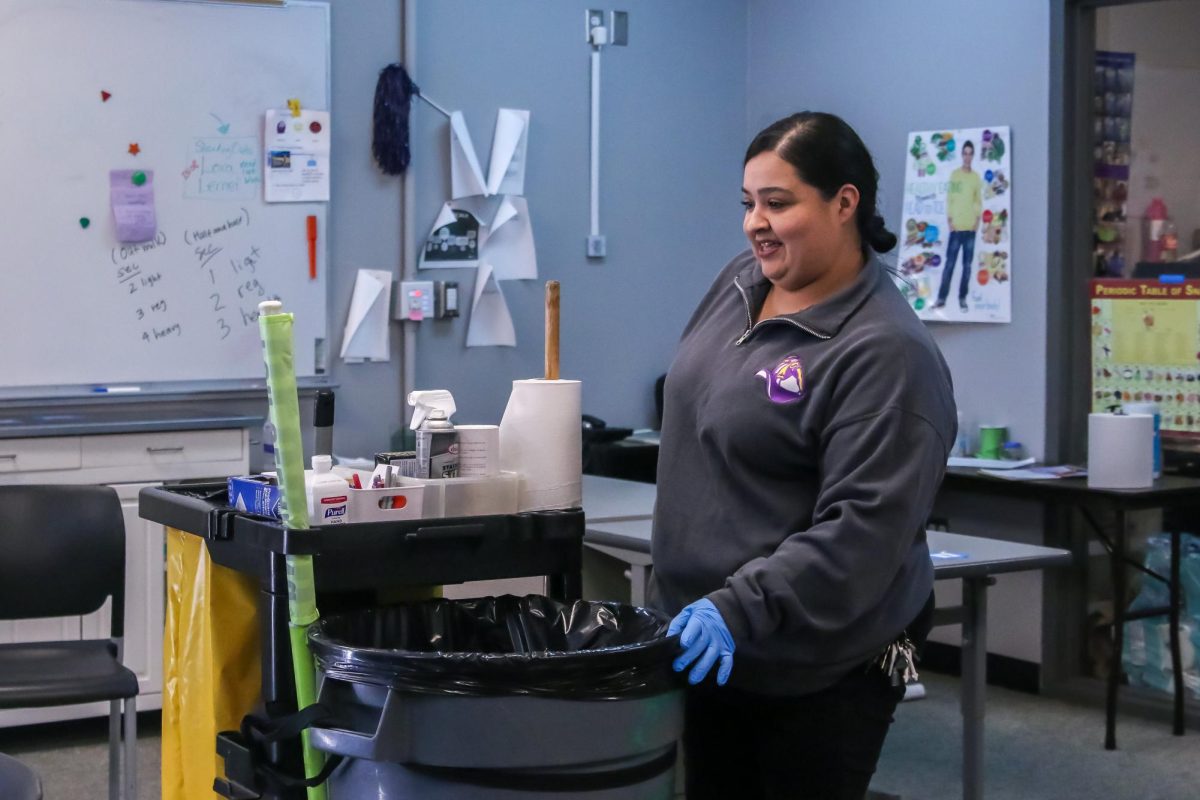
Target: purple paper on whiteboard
[133,204]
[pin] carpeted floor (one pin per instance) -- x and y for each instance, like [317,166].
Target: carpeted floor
[1036,749]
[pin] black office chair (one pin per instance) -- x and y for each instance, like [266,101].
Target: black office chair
[17,781]
[62,553]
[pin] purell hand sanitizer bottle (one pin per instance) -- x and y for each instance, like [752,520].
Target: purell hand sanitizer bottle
[328,494]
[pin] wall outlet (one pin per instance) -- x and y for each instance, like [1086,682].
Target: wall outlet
[597,247]
[446,294]
[619,35]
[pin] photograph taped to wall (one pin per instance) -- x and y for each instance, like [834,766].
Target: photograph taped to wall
[955,233]
[1146,348]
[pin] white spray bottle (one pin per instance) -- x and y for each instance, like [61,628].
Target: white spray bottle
[437,443]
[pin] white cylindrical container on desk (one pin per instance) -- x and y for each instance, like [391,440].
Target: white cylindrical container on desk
[1119,454]
[478,451]
[1156,440]
[541,439]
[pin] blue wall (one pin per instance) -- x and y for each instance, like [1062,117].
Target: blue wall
[365,212]
[672,132]
[891,68]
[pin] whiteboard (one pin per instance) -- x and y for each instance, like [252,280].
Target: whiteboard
[189,85]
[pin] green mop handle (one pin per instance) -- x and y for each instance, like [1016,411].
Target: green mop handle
[283,400]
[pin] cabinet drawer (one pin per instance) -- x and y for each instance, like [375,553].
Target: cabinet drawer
[35,455]
[162,449]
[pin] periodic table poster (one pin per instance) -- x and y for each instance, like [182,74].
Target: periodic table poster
[1146,348]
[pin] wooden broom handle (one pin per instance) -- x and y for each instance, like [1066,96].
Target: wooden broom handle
[552,305]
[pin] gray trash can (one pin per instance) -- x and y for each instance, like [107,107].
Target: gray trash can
[499,698]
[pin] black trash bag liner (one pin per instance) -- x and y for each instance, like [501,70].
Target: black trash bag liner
[488,646]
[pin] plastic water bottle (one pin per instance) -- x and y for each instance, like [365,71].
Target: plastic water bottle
[1154,222]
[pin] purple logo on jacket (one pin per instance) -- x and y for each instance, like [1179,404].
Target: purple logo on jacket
[785,382]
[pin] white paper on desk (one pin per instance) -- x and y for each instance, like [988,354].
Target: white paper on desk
[988,463]
[491,323]
[366,335]
[455,236]
[506,164]
[466,176]
[508,245]
[1018,474]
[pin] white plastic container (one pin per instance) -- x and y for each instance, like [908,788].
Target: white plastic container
[469,497]
[328,494]
[400,502]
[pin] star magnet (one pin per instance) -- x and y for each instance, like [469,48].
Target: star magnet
[134,149]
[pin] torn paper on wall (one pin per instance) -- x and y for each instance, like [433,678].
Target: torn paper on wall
[508,245]
[466,176]
[454,238]
[506,163]
[506,166]
[491,323]
[365,337]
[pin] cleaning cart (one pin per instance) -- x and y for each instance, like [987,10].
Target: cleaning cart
[374,722]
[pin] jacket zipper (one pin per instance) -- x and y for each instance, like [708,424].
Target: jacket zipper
[751,327]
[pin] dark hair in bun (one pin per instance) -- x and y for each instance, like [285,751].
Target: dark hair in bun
[827,154]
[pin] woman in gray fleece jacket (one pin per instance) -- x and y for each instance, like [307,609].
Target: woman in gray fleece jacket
[807,419]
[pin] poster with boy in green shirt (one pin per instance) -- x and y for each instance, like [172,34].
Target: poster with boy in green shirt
[964,204]
[957,207]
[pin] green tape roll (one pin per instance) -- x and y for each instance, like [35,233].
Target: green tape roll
[991,441]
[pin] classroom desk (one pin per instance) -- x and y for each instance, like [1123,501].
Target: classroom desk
[972,559]
[614,500]
[1169,493]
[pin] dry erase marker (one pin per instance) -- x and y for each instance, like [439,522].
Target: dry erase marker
[116,389]
[312,247]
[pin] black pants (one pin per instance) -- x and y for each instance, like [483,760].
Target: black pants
[823,745]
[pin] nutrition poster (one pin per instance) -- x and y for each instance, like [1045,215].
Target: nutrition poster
[955,235]
[1146,348]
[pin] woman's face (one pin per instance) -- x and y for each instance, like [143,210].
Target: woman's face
[795,232]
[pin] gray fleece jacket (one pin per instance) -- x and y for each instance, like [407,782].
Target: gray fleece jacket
[799,462]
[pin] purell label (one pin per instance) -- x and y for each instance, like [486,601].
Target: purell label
[333,510]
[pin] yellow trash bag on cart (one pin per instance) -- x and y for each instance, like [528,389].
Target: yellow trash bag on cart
[211,664]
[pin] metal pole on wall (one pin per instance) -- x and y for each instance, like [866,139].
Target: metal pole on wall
[408,238]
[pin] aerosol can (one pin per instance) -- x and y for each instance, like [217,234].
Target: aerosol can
[437,442]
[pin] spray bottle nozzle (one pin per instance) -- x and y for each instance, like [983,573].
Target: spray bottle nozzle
[425,401]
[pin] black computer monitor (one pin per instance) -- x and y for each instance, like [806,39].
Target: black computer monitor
[1190,270]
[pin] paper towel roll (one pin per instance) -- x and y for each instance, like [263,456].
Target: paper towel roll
[541,438]
[1156,439]
[1119,453]
[478,451]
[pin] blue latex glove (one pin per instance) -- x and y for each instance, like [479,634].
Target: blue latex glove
[705,637]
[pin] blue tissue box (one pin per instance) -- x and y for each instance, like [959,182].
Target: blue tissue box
[257,494]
